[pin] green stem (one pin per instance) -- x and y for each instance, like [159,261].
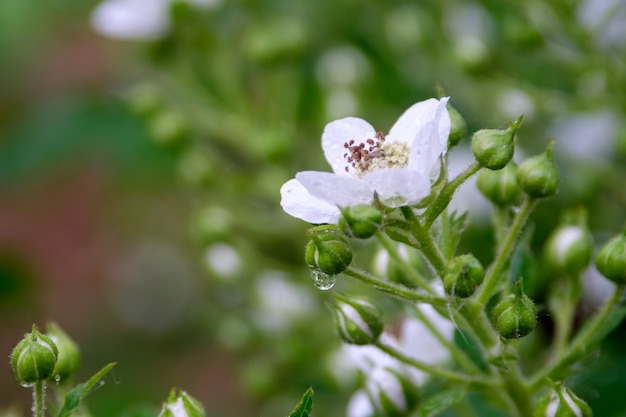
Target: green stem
[446,194]
[457,353]
[476,318]
[581,341]
[38,401]
[508,245]
[563,306]
[433,370]
[518,391]
[425,240]
[393,289]
[393,252]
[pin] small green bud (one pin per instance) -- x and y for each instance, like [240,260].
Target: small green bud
[463,274]
[500,187]
[611,261]
[68,360]
[494,148]
[358,321]
[145,100]
[562,402]
[515,316]
[33,358]
[458,128]
[181,405]
[392,391]
[328,251]
[168,128]
[538,176]
[361,221]
[570,246]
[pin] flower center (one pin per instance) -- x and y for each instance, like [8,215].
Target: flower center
[375,154]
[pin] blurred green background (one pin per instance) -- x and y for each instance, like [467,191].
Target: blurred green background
[139,181]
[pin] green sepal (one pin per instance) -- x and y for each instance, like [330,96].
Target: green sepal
[304,407]
[79,392]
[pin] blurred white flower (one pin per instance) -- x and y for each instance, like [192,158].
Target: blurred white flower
[397,168]
[137,19]
[415,340]
[587,135]
[223,259]
[596,288]
[606,19]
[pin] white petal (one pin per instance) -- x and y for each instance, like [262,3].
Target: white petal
[360,405]
[426,126]
[297,202]
[398,186]
[337,133]
[131,19]
[343,191]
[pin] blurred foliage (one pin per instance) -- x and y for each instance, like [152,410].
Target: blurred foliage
[235,99]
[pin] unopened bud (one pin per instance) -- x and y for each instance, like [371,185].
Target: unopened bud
[181,405]
[463,274]
[68,360]
[33,359]
[361,221]
[358,321]
[494,148]
[458,127]
[570,246]
[538,176]
[328,251]
[562,402]
[500,187]
[611,261]
[392,391]
[515,316]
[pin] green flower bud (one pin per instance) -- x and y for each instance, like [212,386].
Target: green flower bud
[570,246]
[358,321]
[361,221]
[500,187]
[328,251]
[611,261]
[463,274]
[458,128]
[168,128]
[145,100]
[562,402]
[538,176]
[514,316]
[392,391]
[494,148]
[68,360]
[34,358]
[181,405]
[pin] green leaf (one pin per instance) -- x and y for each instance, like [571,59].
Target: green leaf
[80,391]
[303,409]
[439,403]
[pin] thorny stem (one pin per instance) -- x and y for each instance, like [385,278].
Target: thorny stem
[38,403]
[394,289]
[446,194]
[426,243]
[491,279]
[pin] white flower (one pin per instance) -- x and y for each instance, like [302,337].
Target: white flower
[398,168]
[415,340]
[136,19]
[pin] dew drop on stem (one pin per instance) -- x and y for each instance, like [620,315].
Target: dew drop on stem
[322,280]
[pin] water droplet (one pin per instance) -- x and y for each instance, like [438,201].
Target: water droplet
[27,384]
[57,378]
[321,280]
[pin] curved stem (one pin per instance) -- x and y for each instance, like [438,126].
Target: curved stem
[446,194]
[425,240]
[581,340]
[433,370]
[491,279]
[394,289]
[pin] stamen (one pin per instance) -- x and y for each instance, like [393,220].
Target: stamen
[375,153]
